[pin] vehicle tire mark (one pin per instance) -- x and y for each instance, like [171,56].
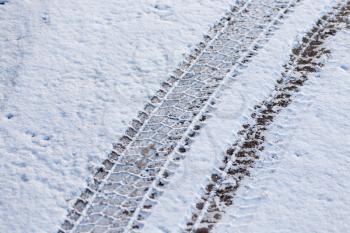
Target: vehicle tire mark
[128,184]
[240,158]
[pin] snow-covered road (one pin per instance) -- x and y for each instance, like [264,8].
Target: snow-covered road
[124,191]
[239,159]
[73,75]
[301,183]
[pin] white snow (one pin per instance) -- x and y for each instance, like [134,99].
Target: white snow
[72,75]
[302,183]
[240,95]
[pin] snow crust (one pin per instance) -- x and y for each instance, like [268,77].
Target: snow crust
[72,75]
[240,95]
[302,182]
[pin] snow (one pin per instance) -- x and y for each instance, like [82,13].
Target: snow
[302,183]
[240,95]
[73,74]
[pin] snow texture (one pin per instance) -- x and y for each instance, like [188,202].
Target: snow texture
[244,92]
[302,182]
[142,170]
[73,74]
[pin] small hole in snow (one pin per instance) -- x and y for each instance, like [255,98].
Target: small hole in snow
[162,7]
[344,67]
[31,133]
[9,115]
[24,178]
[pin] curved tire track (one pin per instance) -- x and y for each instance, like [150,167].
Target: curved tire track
[128,184]
[241,156]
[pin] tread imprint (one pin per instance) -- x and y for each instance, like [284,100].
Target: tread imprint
[122,192]
[239,159]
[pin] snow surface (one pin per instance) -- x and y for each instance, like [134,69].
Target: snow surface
[241,94]
[72,75]
[302,183]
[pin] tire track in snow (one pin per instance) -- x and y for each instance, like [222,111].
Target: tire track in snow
[241,156]
[126,187]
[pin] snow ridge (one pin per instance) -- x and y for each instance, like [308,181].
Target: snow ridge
[126,187]
[240,158]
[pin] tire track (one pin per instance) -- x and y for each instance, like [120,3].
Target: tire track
[241,156]
[126,187]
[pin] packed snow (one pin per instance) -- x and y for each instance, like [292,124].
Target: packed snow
[74,73]
[302,182]
[72,76]
[240,95]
